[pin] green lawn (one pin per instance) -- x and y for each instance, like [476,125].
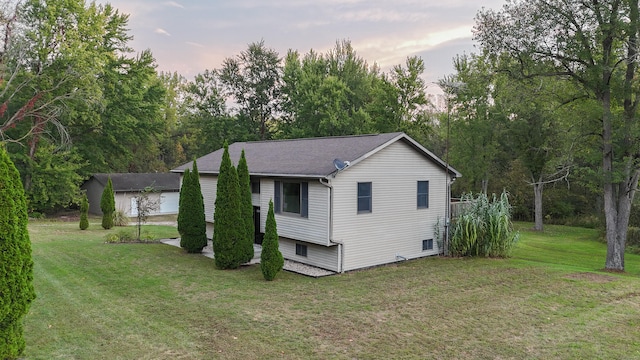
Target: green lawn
[153,301]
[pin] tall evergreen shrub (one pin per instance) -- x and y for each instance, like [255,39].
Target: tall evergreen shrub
[181,201]
[246,210]
[16,263]
[483,228]
[193,233]
[227,221]
[84,212]
[107,205]
[271,260]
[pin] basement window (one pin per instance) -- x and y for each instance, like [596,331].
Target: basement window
[427,244]
[301,250]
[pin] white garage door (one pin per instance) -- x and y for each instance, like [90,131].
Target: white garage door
[169,202]
[134,206]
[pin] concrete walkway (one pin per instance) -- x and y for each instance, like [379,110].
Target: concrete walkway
[292,266]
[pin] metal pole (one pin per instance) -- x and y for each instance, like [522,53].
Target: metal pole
[448,190]
[448,87]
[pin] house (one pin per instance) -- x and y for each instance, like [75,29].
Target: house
[342,203]
[126,186]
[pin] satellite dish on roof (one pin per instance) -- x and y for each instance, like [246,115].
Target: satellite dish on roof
[339,164]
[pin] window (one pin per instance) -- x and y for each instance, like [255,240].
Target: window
[427,244]
[301,250]
[291,198]
[423,194]
[255,187]
[364,197]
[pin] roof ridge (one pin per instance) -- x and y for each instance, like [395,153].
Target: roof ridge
[315,138]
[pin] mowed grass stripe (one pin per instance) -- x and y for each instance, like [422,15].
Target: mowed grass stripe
[569,248]
[100,305]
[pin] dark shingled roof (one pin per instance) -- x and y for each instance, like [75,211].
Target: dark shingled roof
[139,181]
[310,157]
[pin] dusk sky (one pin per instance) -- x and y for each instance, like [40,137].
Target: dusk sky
[189,36]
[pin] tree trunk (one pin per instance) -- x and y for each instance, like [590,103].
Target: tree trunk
[615,253]
[617,222]
[537,192]
[618,196]
[33,146]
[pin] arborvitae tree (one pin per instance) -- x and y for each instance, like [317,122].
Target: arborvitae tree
[181,201]
[16,269]
[107,205]
[193,232]
[227,222]
[271,260]
[246,210]
[84,212]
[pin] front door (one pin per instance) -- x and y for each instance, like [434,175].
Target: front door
[256,225]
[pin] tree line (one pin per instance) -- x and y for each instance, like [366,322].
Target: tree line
[75,100]
[557,81]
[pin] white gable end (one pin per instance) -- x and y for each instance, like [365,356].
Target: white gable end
[395,227]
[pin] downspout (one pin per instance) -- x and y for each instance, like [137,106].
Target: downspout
[330,223]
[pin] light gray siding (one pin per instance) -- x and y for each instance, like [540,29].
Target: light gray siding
[396,227]
[124,203]
[255,199]
[208,185]
[317,255]
[314,228]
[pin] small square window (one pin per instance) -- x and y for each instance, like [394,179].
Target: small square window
[301,250]
[255,187]
[427,244]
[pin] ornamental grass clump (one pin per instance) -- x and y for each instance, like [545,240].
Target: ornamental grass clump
[120,218]
[483,228]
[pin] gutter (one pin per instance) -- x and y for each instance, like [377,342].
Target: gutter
[260,174]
